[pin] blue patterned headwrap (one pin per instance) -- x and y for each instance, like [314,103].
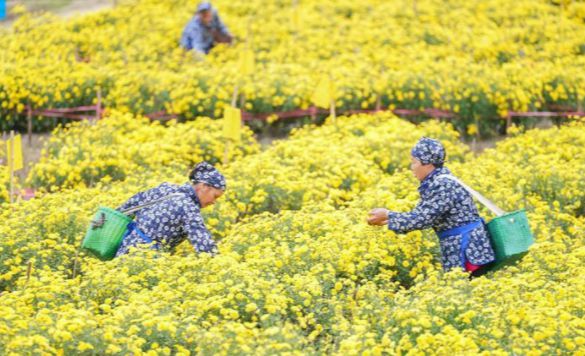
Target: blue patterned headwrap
[203,6]
[206,173]
[429,151]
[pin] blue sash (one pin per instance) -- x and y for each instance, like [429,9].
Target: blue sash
[465,232]
[133,227]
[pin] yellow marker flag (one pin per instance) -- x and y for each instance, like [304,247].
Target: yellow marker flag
[14,158]
[247,62]
[324,93]
[232,118]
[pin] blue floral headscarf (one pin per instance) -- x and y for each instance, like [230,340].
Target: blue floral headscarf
[429,151]
[206,173]
[204,6]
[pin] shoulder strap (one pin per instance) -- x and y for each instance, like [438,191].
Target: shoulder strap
[150,203]
[485,201]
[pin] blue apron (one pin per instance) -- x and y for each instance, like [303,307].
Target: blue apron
[465,232]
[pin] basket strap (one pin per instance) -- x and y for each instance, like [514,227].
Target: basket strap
[485,201]
[150,203]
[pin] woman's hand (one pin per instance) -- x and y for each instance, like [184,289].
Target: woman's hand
[378,216]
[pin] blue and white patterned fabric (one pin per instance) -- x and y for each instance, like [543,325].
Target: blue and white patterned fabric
[446,205]
[169,222]
[198,36]
[204,6]
[429,151]
[206,173]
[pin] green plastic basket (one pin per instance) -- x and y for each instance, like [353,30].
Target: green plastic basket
[105,233]
[511,235]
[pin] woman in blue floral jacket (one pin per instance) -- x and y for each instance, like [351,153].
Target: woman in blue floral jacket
[167,223]
[446,207]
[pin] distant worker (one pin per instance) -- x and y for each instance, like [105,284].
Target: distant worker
[205,30]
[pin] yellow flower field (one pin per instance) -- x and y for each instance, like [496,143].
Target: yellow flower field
[299,270]
[123,145]
[478,59]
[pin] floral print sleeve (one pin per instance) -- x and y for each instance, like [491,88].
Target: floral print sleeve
[196,231]
[424,215]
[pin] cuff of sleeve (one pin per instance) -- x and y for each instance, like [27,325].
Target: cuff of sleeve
[393,223]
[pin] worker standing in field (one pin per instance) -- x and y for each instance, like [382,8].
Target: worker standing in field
[446,207]
[177,214]
[205,30]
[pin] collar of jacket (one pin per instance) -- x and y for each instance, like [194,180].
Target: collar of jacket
[424,185]
[188,189]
